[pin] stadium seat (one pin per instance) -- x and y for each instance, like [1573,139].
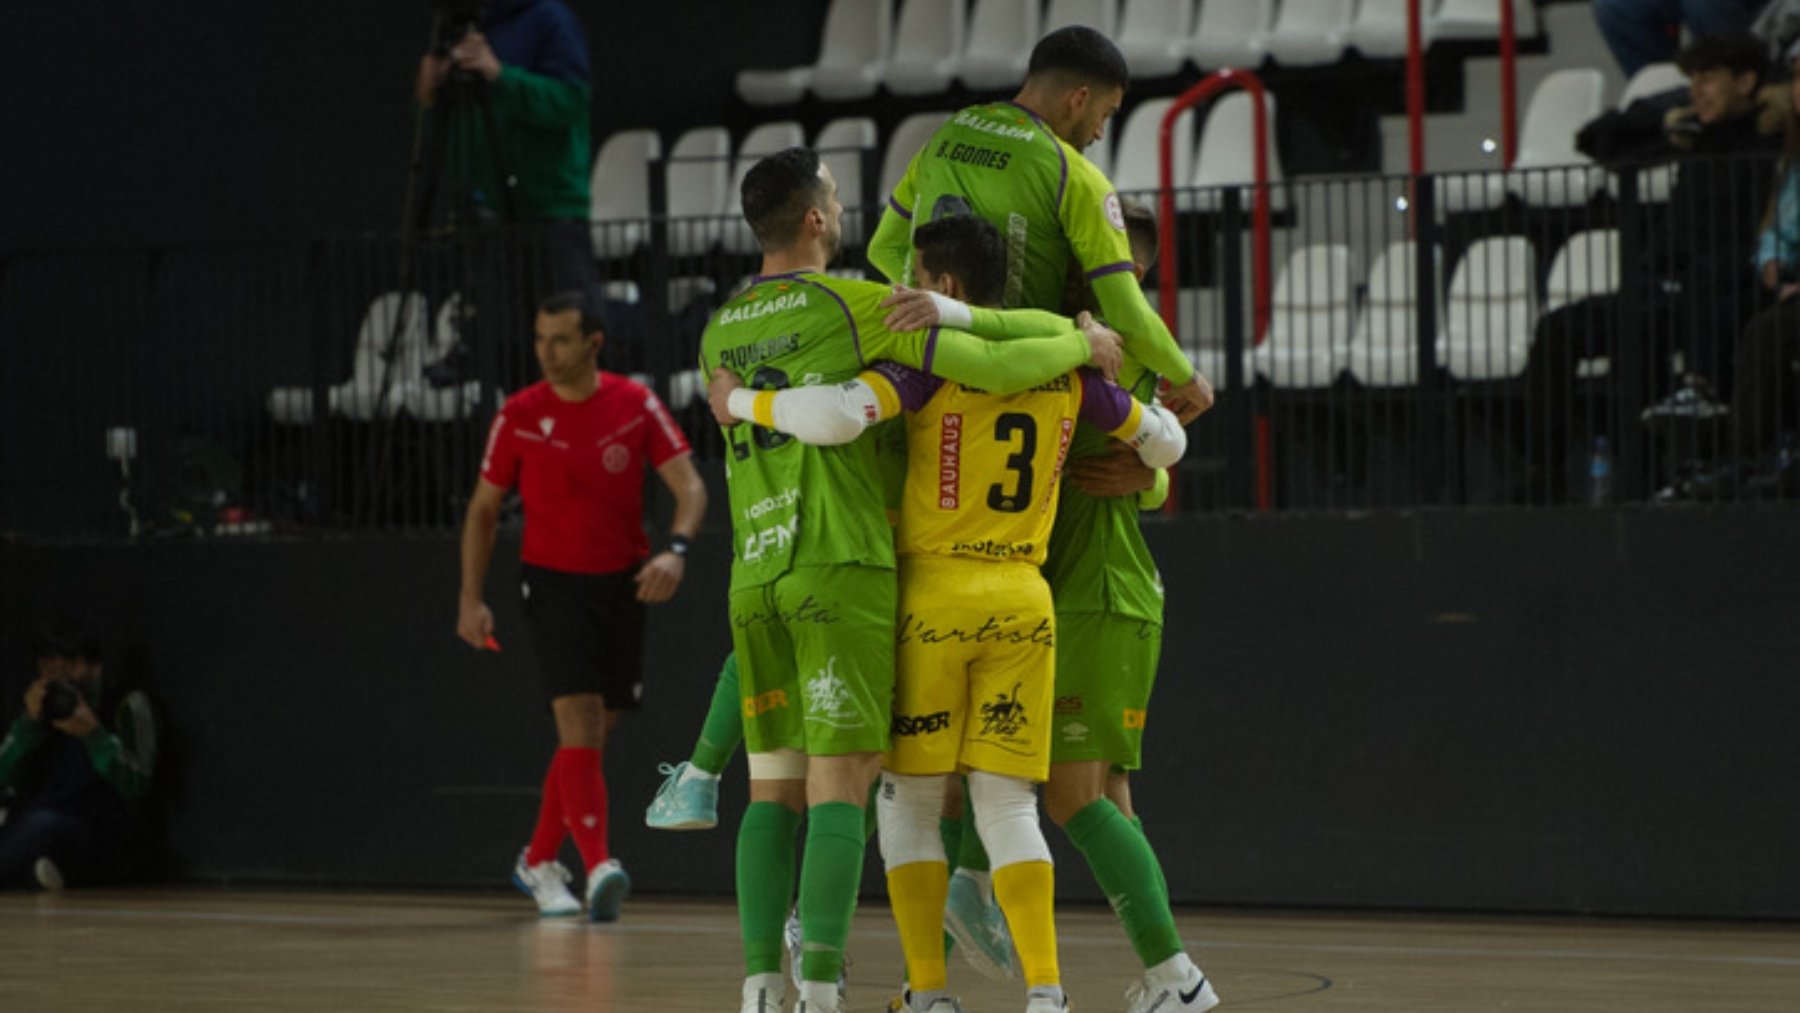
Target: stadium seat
[928,45]
[1480,19]
[1229,33]
[1135,160]
[1001,34]
[418,350]
[1562,103]
[841,145]
[906,140]
[1379,31]
[699,168]
[762,140]
[619,208]
[1586,265]
[1154,36]
[854,50]
[1491,315]
[392,319]
[1310,318]
[1227,155]
[1383,349]
[1309,33]
[1100,15]
[1549,172]
[852,47]
[1655,181]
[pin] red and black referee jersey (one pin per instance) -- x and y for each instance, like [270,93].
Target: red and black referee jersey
[579,468]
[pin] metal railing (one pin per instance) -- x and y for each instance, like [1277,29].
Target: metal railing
[292,389]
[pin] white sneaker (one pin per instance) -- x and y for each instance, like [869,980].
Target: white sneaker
[1182,987]
[796,948]
[1046,999]
[762,994]
[548,884]
[607,888]
[48,875]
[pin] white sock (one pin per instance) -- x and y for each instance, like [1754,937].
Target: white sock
[819,995]
[1177,969]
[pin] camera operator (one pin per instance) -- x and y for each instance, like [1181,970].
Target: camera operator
[509,86]
[77,817]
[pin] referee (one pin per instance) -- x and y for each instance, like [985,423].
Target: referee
[575,446]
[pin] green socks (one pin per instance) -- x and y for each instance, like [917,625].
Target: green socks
[830,877]
[1137,823]
[724,727]
[1126,869]
[765,882]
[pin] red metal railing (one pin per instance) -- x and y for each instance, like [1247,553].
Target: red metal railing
[1415,85]
[1260,285]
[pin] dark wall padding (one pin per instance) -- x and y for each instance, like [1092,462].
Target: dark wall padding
[1556,711]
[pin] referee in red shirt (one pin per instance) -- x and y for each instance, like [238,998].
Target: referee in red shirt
[575,446]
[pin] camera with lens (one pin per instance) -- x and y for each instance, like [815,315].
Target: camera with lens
[61,699]
[451,20]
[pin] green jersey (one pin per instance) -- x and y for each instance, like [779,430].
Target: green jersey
[1052,205]
[1098,560]
[799,505]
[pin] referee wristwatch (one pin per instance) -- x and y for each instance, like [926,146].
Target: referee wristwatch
[678,544]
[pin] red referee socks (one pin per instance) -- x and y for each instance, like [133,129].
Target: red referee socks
[583,790]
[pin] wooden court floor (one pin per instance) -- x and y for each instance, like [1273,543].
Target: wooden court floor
[170,949]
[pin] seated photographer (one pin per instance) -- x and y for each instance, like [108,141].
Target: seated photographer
[76,817]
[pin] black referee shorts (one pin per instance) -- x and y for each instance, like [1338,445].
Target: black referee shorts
[587,631]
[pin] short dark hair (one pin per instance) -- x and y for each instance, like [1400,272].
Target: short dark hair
[66,636]
[592,318]
[1140,225]
[1737,52]
[969,249]
[776,193]
[1080,53]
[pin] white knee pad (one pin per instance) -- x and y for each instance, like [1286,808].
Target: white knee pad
[1006,817]
[906,809]
[778,765]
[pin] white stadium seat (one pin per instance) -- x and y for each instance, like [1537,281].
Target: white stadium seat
[1480,19]
[1154,36]
[852,48]
[1100,15]
[1001,34]
[1227,154]
[1549,172]
[928,45]
[1491,315]
[1654,182]
[699,169]
[906,140]
[1586,265]
[1229,33]
[1379,31]
[619,205]
[1310,318]
[1309,33]
[392,319]
[417,396]
[1135,161]
[1383,349]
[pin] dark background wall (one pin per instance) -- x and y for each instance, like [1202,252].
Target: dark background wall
[1552,711]
[150,124]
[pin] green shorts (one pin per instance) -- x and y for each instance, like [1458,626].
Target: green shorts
[1105,668]
[815,656]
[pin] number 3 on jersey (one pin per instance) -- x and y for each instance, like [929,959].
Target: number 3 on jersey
[1006,427]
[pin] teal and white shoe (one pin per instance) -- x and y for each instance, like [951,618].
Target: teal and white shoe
[607,888]
[687,800]
[973,918]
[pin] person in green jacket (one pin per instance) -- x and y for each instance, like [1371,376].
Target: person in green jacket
[78,785]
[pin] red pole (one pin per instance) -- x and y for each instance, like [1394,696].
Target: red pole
[1509,85]
[1259,267]
[1415,88]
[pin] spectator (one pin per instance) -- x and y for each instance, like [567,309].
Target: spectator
[1642,32]
[1690,282]
[77,817]
[526,63]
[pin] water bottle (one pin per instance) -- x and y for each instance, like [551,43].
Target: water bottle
[1600,474]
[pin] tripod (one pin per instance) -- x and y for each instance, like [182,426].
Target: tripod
[444,199]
